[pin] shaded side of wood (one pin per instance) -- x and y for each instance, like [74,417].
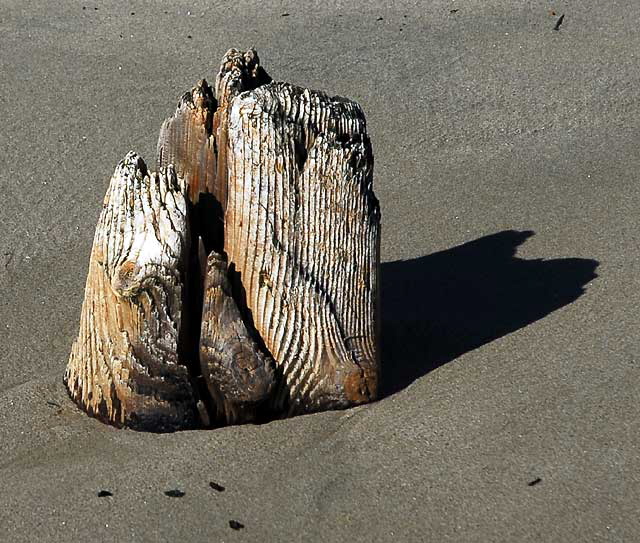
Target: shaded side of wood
[302,231]
[239,377]
[124,367]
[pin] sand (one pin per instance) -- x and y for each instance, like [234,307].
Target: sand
[507,168]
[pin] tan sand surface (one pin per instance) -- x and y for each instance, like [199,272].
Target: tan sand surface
[507,166]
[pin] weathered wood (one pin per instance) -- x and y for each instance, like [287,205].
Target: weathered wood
[239,376]
[275,309]
[186,140]
[124,366]
[302,232]
[240,71]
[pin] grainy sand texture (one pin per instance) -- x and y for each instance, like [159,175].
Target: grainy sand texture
[507,167]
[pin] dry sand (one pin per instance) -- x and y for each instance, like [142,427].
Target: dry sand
[507,167]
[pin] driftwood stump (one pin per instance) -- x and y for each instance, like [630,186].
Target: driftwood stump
[240,281]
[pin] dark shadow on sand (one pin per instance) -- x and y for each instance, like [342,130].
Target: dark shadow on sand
[440,306]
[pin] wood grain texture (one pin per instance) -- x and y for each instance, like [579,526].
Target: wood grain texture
[124,366]
[302,232]
[186,141]
[238,375]
[240,71]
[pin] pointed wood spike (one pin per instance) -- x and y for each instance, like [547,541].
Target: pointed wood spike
[239,71]
[124,366]
[186,140]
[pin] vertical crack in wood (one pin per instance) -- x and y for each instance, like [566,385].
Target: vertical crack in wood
[188,140]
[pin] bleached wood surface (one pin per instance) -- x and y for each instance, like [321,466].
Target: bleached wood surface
[302,231]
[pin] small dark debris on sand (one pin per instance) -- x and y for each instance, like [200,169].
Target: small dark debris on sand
[216,486]
[235,525]
[285,15]
[104,494]
[559,22]
[380,19]
[454,10]
[534,482]
[174,493]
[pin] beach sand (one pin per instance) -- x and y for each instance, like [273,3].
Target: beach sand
[507,168]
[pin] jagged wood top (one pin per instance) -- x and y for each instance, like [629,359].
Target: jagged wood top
[186,140]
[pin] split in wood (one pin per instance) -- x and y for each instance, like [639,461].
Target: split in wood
[239,282]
